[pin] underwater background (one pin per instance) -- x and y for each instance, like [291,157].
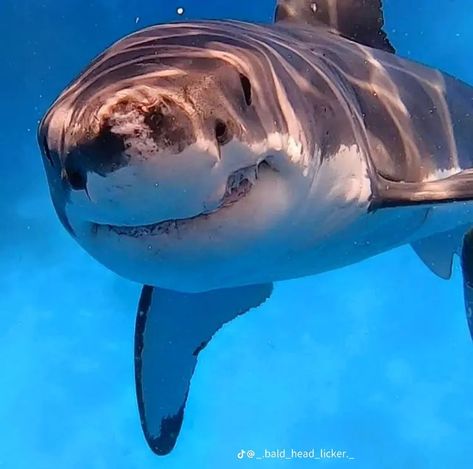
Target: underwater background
[374,359]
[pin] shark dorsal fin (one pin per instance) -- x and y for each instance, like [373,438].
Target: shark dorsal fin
[361,21]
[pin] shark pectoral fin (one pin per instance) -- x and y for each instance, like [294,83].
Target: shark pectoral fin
[171,329]
[360,21]
[467,269]
[390,193]
[437,252]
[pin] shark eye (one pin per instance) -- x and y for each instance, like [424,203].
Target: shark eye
[246,85]
[47,152]
[222,133]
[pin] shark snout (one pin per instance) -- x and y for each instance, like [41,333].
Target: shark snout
[124,133]
[142,157]
[140,165]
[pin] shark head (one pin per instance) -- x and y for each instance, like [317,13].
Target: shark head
[171,151]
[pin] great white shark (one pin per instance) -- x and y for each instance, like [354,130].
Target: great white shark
[208,159]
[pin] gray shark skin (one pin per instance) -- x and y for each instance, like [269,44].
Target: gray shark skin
[206,160]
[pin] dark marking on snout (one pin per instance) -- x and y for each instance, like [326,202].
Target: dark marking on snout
[101,154]
[170,126]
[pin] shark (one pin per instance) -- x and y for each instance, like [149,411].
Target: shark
[207,160]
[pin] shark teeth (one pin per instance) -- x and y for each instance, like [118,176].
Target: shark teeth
[239,184]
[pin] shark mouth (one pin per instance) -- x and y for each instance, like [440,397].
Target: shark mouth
[239,185]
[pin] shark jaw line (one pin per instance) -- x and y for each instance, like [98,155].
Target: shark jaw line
[239,185]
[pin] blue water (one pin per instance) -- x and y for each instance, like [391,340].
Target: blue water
[374,359]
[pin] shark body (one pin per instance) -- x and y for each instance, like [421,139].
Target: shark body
[207,160]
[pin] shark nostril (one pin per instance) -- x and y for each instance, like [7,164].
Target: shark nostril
[76,176]
[77,180]
[222,132]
